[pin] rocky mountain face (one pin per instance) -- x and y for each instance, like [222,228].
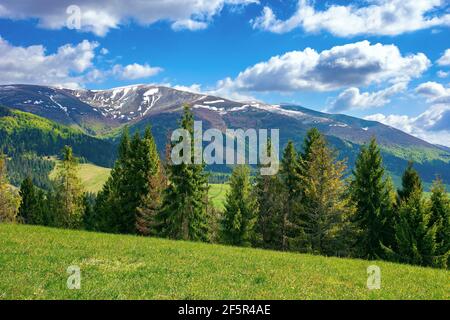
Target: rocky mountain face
[99,112]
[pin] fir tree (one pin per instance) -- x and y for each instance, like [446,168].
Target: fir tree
[373,196]
[290,176]
[240,210]
[326,206]
[440,219]
[69,192]
[9,200]
[312,136]
[410,183]
[29,210]
[184,210]
[416,240]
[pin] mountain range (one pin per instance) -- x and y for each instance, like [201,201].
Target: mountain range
[101,114]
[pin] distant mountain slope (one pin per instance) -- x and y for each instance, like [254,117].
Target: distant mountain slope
[22,132]
[106,111]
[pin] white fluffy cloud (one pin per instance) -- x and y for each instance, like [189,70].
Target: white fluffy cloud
[31,65]
[135,71]
[70,66]
[101,16]
[445,59]
[374,17]
[432,125]
[352,98]
[356,64]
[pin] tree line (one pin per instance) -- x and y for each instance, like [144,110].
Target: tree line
[310,206]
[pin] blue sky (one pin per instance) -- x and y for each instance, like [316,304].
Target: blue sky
[378,59]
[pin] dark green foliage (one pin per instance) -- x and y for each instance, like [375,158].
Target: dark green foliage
[440,219]
[117,206]
[372,194]
[22,166]
[240,209]
[89,216]
[416,240]
[184,209]
[271,198]
[29,210]
[410,183]
[290,177]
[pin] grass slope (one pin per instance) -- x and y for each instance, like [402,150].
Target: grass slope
[34,260]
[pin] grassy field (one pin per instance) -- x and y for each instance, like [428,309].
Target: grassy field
[92,177]
[34,262]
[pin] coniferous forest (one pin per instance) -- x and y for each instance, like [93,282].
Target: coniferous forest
[310,206]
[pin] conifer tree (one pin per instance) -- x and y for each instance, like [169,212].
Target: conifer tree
[9,200]
[416,240]
[440,218]
[240,209]
[312,136]
[290,176]
[373,196]
[69,192]
[271,196]
[326,206]
[184,210]
[410,183]
[29,210]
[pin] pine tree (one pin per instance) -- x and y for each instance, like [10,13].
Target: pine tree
[69,192]
[290,176]
[271,198]
[129,185]
[29,210]
[184,210]
[326,206]
[440,219]
[312,136]
[416,240]
[9,200]
[410,183]
[240,209]
[373,196]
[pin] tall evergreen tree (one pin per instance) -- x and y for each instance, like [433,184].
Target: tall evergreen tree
[184,210]
[416,240]
[240,209]
[9,200]
[69,192]
[440,219]
[326,206]
[117,206]
[29,210]
[312,136]
[410,183]
[374,199]
[290,176]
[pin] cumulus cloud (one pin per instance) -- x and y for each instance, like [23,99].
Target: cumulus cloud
[433,125]
[445,59]
[101,16]
[71,66]
[135,71]
[352,98]
[356,64]
[375,17]
[32,65]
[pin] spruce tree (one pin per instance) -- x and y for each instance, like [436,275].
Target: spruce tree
[410,182]
[312,136]
[440,219]
[9,200]
[240,209]
[69,192]
[290,176]
[184,210]
[373,196]
[29,210]
[326,206]
[416,240]
[271,197]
